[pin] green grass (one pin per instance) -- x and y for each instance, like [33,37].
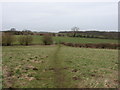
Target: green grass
[38,40]
[59,66]
[83,40]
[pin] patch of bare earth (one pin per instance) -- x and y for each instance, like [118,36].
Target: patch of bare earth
[8,78]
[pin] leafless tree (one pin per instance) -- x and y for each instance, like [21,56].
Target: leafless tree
[7,39]
[12,29]
[25,39]
[47,39]
[74,29]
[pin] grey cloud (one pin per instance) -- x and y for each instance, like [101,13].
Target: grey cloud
[55,16]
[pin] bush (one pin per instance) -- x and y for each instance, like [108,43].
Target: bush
[7,39]
[91,45]
[47,40]
[25,40]
[21,40]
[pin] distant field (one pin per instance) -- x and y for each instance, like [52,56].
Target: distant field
[59,66]
[38,40]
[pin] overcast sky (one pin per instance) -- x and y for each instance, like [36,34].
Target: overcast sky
[43,16]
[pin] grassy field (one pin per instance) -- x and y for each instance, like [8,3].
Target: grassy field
[38,40]
[59,66]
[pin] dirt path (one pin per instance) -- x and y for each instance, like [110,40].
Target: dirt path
[58,69]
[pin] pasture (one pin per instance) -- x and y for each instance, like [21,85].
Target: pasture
[38,40]
[57,66]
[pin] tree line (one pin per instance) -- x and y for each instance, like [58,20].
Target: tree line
[91,34]
[75,32]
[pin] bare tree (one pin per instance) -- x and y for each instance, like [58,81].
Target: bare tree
[7,39]
[74,29]
[12,29]
[21,40]
[47,39]
[25,39]
[28,39]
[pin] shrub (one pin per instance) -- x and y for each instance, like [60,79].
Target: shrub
[47,40]
[25,40]
[7,39]
[21,40]
[91,45]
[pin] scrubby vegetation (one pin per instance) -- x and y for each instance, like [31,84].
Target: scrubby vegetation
[91,45]
[25,40]
[7,39]
[47,39]
[69,41]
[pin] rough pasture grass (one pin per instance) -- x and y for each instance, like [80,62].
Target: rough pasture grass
[83,40]
[91,68]
[45,66]
[38,40]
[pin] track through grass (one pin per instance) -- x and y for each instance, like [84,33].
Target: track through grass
[60,77]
